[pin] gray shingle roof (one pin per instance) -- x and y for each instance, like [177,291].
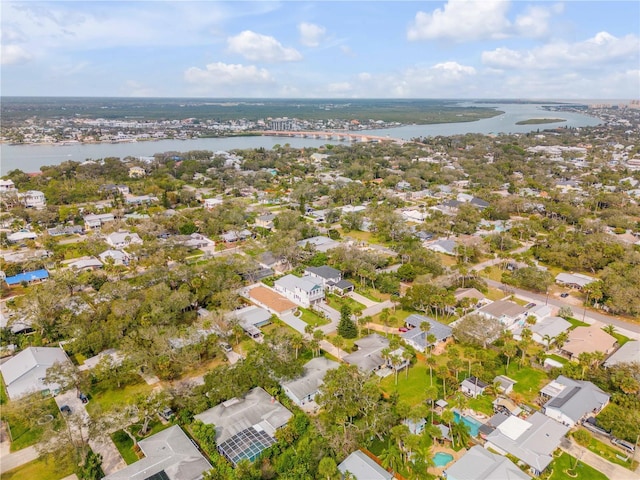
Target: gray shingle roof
[25,372]
[324,272]
[577,398]
[439,330]
[291,282]
[480,464]
[363,468]
[312,378]
[628,353]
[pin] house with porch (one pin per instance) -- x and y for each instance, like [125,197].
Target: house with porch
[303,390]
[570,401]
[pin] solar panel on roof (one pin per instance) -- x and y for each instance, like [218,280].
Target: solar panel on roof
[161,475]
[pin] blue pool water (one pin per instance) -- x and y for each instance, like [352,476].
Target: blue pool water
[472,423]
[441,459]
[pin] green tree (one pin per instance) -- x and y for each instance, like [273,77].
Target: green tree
[328,468]
[346,327]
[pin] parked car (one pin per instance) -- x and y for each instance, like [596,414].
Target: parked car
[65,409]
[83,398]
[630,447]
[530,305]
[564,295]
[403,329]
[226,347]
[166,414]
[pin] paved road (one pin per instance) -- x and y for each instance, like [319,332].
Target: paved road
[371,311]
[10,460]
[611,470]
[629,329]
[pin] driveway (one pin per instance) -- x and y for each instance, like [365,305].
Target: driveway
[10,460]
[332,349]
[611,470]
[294,322]
[363,300]
[79,418]
[377,308]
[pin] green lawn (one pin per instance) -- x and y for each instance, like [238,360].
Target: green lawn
[312,318]
[609,453]
[43,468]
[620,338]
[411,390]
[124,444]
[3,392]
[482,403]
[529,379]
[103,400]
[576,323]
[565,462]
[26,432]
[337,302]
[558,358]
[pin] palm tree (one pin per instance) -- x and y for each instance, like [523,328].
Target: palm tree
[297,342]
[447,417]
[431,340]
[407,356]
[561,339]
[584,360]
[547,339]
[610,329]
[508,350]
[391,458]
[431,362]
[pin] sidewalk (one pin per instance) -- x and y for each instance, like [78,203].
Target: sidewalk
[10,460]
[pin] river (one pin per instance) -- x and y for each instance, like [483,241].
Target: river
[29,158]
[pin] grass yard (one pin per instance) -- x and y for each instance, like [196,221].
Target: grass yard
[312,318]
[530,380]
[3,392]
[124,444]
[410,390]
[482,403]
[610,453]
[337,302]
[558,358]
[565,462]
[43,468]
[27,432]
[620,338]
[576,323]
[103,400]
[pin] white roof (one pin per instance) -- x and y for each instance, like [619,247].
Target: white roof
[25,373]
[513,427]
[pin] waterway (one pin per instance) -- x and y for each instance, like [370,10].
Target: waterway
[29,158]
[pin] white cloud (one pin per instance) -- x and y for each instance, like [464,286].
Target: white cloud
[14,54]
[224,74]
[602,49]
[311,34]
[462,20]
[261,48]
[535,22]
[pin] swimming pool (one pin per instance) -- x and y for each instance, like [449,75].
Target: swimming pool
[470,422]
[441,459]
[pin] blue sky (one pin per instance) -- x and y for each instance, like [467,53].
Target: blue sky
[330,49]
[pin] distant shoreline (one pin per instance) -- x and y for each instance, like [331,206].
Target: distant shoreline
[540,121]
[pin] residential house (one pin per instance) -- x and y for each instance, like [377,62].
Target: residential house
[588,339]
[84,263]
[446,246]
[111,188]
[7,186]
[418,338]
[505,384]
[245,426]
[68,230]
[251,319]
[33,199]
[627,353]
[272,301]
[94,222]
[362,467]
[416,427]
[473,386]
[25,373]
[368,358]
[331,279]
[235,236]
[116,257]
[168,455]
[302,390]
[305,291]
[137,172]
[319,243]
[505,311]
[265,221]
[532,441]
[123,239]
[546,329]
[574,280]
[28,277]
[211,203]
[475,295]
[140,199]
[21,236]
[570,401]
[269,260]
[481,464]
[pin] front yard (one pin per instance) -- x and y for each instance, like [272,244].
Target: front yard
[566,462]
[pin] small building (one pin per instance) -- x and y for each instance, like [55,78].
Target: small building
[245,426]
[532,441]
[303,390]
[95,222]
[137,172]
[570,401]
[116,257]
[28,277]
[168,455]
[251,319]
[588,339]
[67,230]
[416,427]
[123,239]
[476,295]
[418,338]
[362,467]
[504,311]
[574,280]
[473,386]
[304,291]
[446,246]
[319,243]
[548,328]
[211,203]
[505,384]
[628,353]
[265,221]
[481,464]
[85,263]
[368,358]
[25,373]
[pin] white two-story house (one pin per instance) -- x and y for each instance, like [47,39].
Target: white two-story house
[304,291]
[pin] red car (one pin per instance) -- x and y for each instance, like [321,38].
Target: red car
[403,329]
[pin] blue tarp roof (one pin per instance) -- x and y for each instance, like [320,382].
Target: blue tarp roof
[27,277]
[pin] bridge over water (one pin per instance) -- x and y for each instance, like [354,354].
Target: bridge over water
[332,135]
